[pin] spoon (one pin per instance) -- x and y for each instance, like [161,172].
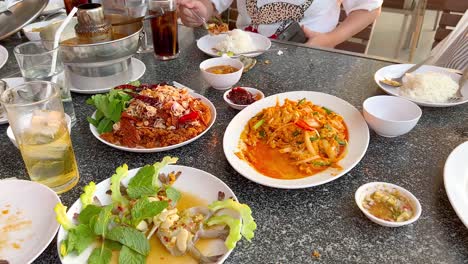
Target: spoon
[458,95]
[203,20]
[397,82]
[230,53]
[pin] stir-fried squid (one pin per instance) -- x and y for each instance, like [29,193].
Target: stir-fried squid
[310,138]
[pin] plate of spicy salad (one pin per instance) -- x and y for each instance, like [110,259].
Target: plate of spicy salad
[149,118]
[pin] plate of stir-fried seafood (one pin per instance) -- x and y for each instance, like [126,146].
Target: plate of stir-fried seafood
[296,139]
[159,213]
[150,118]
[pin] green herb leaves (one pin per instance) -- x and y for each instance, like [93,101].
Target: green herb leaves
[80,238]
[144,209]
[131,238]
[130,256]
[109,108]
[142,183]
[99,256]
[173,195]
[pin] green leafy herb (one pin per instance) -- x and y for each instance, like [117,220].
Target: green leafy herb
[142,184]
[173,195]
[131,238]
[301,101]
[100,256]
[109,108]
[112,245]
[328,111]
[296,133]
[144,209]
[130,256]
[80,238]
[89,212]
[102,221]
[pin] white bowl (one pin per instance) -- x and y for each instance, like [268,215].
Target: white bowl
[221,81]
[35,36]
[391,116]
[12,138]
[371,187]
[258,95]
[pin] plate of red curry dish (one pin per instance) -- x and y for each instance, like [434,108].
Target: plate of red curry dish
[150,117]
[296,139]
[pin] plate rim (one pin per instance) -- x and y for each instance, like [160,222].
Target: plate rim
[77,202]
[457,151]
[107,89]
[162,149]
[3,50]
[57,198]
[212,54]
[388,89]
[289,184]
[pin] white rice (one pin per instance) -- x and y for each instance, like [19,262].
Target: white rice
[236,41]
[431,87]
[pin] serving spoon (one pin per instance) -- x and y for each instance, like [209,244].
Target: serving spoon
[397,82]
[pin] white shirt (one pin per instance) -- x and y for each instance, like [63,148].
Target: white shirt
[321,16]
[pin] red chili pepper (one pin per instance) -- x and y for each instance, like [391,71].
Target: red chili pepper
[126,86]
[303,124]
[192,116]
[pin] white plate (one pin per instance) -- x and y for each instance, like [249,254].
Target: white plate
[30,207]
[151,150]
[194,181]
[12,82]
[358,139]
[456,181]
[3,56]
[394,71]
[138,69]
[206,43]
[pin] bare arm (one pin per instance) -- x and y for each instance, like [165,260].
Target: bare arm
[203,8]
[356,21]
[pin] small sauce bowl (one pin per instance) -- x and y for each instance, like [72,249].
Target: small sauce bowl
[371,187]
[257,94]
[221,81]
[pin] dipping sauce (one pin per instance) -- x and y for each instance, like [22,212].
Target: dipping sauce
[241,96]
[390,206]
[222,69]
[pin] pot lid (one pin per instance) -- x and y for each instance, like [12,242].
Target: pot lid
[19,15]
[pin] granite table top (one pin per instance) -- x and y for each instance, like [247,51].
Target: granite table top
[292,224]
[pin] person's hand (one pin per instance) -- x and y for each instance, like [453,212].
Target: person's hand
[319,39]
[187,7]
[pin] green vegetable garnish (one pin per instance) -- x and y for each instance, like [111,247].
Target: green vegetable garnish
[262,133]
[328,111]
[321,163]
[234,228]
[173,195]
[296,133]
[144,209]
[258,124]
[248,223]
[120,173]
[340,141]
[62,218]
[109,108]
[301,101]
[312,139]
[131,238]
[87,196]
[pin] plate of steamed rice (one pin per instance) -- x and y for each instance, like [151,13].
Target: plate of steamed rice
[234,42]
[427,86]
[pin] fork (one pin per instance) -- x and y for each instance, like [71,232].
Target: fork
[458,95]
[396,82]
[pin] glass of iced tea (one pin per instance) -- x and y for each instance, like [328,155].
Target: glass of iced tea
[35,113]
[164,29]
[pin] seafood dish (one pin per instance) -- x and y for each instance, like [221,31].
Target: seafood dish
[148,219]
[149,116]
[294,140]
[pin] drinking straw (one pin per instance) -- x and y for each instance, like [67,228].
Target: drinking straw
[57,35]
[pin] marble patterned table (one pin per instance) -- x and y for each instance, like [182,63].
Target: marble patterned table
[294,223]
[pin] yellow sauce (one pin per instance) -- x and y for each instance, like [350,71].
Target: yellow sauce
[159,254]
[222,69]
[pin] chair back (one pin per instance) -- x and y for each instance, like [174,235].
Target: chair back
[452,12]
